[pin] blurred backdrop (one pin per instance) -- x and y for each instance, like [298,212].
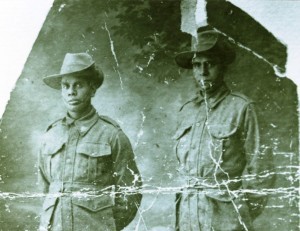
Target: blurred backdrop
[134,42]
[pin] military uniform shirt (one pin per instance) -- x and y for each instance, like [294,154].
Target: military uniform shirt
[83,166]
[218,148]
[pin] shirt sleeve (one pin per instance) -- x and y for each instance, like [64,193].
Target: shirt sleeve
[43,183]
[258,176]
[127,180]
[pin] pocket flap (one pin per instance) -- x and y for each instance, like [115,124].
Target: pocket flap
[218,195]
[94,149]
[53,147]
[222,130]
[181,131]
[95,202]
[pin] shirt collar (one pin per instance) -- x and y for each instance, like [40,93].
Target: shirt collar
[216,97]
[84,123]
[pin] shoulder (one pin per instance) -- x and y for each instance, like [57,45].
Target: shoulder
[108,126]
[235,104]
[189,104]
[113,130]
[241,97]
[109,121]
[55,133]
[186,114]
[54,124]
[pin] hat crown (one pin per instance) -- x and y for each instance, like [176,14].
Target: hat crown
[207,41]
[75,62]
[204,40]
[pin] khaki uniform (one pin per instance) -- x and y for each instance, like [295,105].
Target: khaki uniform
[83,166]
[218,147]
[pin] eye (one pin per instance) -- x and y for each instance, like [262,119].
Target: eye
[196,64]
[209,64]
[64,86]
[78,85]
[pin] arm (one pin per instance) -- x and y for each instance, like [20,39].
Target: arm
[42,180]
[126,178]
[259,163]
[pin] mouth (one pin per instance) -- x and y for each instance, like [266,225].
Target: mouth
[206,83]
[73,102]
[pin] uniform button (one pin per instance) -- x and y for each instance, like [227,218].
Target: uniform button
[94,154]
[198,124]
[68,161]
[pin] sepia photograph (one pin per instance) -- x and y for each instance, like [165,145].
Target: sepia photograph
[149,115]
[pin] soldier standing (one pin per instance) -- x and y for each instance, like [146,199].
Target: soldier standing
[86,162]
[218,145]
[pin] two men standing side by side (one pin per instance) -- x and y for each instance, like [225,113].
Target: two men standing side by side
[86,162]
[218,145]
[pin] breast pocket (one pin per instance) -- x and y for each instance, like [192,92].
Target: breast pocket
[52,155]
[93,161]
[224,140]
[183,139]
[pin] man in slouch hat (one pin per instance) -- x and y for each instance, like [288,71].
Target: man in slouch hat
[86,162]
[218,145]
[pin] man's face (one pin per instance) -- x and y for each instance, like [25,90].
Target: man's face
[76,94]
[208,72]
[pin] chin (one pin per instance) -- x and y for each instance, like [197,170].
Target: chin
[74,108]
[205,88]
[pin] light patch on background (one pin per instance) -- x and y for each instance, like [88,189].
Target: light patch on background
[282,19]
[21,21]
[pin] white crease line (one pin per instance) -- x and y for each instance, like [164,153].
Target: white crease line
[135,176]
[276,68]
[141,132]
[151,58]
[141,211]
[120,77]
[287,192]
[111,45]
[112,48]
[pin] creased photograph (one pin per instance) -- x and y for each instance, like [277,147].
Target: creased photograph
[155,115]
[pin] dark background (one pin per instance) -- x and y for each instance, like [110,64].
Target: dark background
[142,91]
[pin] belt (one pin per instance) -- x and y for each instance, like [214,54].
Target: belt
[67,187]
[202,183]
[211,183]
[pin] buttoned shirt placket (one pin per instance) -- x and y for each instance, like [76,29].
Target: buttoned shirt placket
[76,129]
[195,168]
[192,172]
[67,177]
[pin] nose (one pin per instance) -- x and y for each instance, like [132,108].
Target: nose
[203,69]
[71,91]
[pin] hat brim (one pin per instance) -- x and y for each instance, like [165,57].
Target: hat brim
[184,59]
[54,81]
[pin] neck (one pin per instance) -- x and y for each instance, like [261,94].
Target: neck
[79,114]
[211,92]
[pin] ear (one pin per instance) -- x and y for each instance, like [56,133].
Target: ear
[93,90]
